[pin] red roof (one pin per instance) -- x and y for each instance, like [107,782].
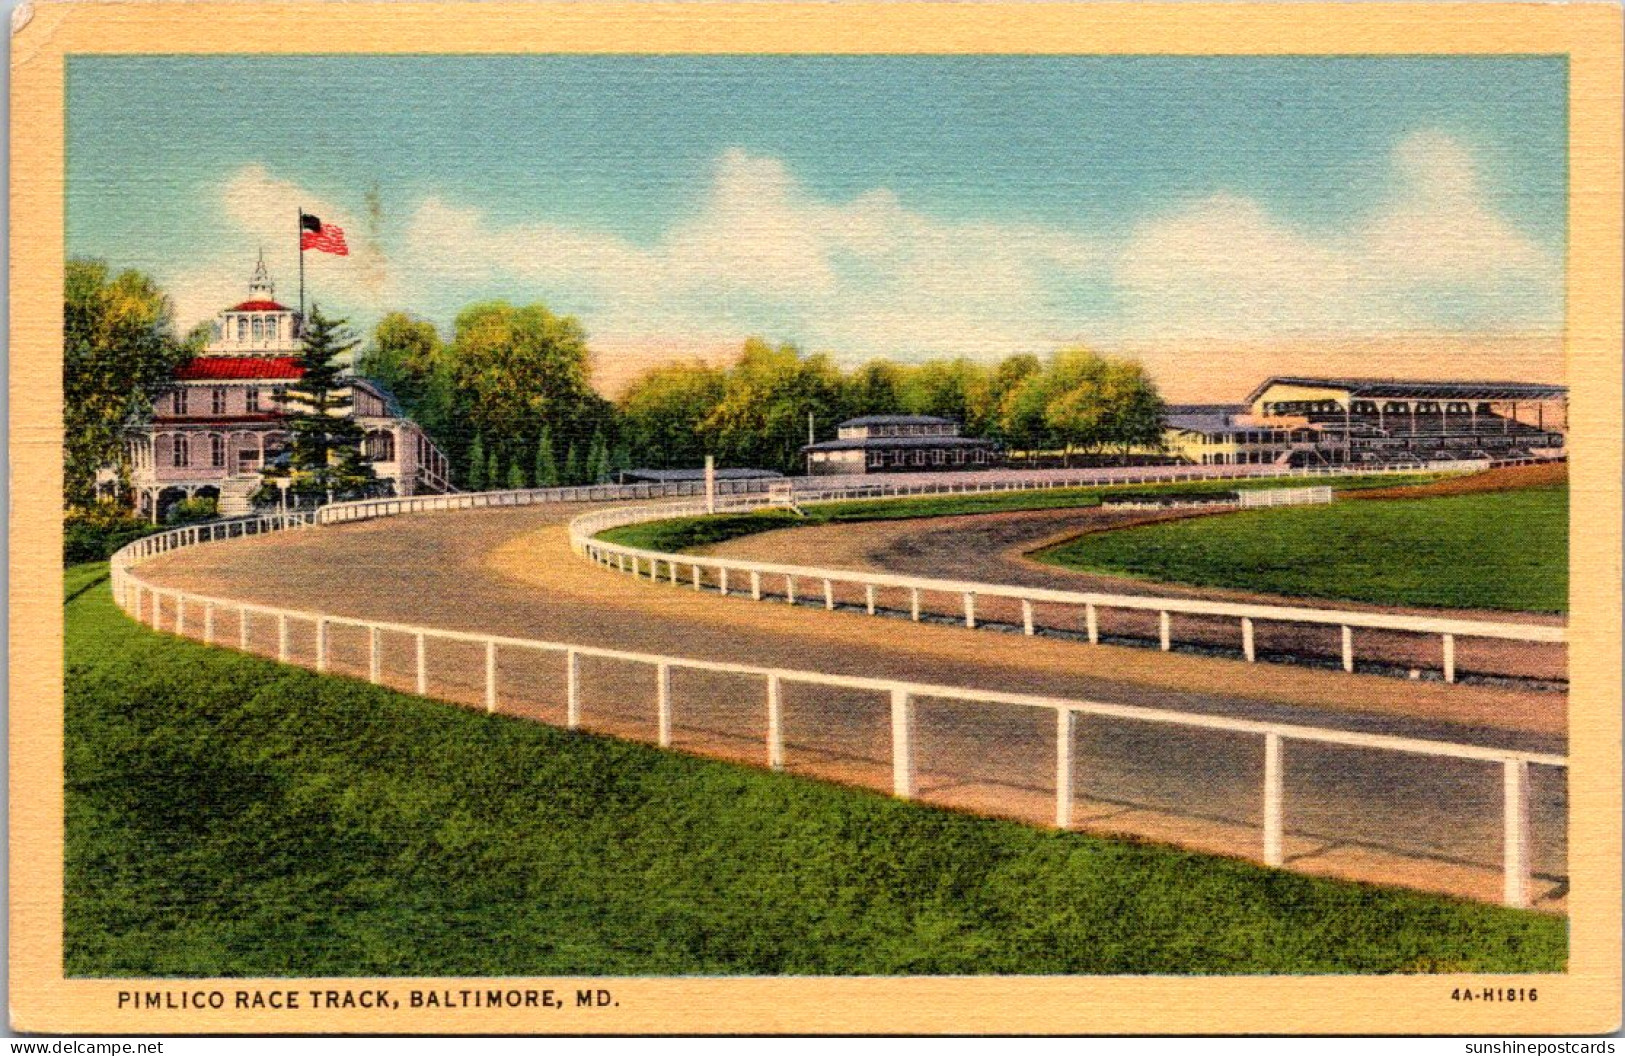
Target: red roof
[233,368]
[258,306]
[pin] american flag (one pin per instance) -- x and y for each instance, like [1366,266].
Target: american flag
[328,238]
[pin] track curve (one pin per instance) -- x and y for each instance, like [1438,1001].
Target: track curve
[510,572]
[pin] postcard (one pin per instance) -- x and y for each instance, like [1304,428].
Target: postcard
[903,518]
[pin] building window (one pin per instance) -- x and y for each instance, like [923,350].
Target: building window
[217,451]
[270,328]
[217,401]
[242,328]
[180,451]
[380,446]
[253,400]
[177,401]
[259,328]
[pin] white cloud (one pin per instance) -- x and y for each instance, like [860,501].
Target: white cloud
[870,275]
[761,254]
[1434,257]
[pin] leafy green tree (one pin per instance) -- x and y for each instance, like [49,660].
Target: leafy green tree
[493,470]
[874,388]
[405,355]
[519,368]
[516,476]
[476,464]
[662,411]
[547,469]
[767,396]
[326,461]
[572,466]
[118,350]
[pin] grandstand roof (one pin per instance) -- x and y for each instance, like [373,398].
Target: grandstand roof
[1406,389]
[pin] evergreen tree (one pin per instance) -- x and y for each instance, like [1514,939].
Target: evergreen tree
[516,476]
[326,461]
[572,466]
[620,459]
[476,464]
[493,472]
[597,468]
[547,468]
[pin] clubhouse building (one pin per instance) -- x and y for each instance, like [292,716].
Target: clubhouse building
[223,418]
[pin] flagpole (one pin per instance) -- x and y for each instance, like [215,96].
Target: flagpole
[299,226]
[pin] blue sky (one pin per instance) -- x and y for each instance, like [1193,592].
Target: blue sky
[881,205]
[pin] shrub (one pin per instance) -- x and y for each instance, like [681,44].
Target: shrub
[190,511]
[95,533]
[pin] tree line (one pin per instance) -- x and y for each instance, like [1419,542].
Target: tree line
[755,411]
[507,395]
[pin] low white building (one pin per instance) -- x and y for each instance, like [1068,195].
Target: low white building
[225,417]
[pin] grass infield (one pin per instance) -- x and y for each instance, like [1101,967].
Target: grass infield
[1504,550]
[230,816]
[683,533]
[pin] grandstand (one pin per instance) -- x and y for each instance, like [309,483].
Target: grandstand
[1301,421]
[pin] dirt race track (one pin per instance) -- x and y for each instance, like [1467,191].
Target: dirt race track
[993,548]
[1416,821]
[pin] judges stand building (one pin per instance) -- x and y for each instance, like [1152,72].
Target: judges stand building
[894,443]
[223,418]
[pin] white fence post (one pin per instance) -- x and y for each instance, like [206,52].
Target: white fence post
[572,690]
[1066,722]
[756,586]
[790,590]
[696,570]
[902,744]
[775,723]
[1449,657]
[829,595]
[1027,617]
[663,702]
[722,580]
[1348,648]
[321,644]
[869,598]
[1164,636]
[490,676]
[375,655]
[208,623]
[1274,794]
[180,614]
[282,637]
[422,665]
[1091,620]
[970,609]
[914,604]
[1248,649]
[1515,889]
[242,628]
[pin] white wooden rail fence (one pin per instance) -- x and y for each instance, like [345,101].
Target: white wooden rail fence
[889,486]
[727,572]
[146,603]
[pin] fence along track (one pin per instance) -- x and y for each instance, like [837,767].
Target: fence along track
[584,531]
[146,603]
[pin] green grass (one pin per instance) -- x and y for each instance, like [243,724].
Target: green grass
[685,533]
[1493,550]
[229,816]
